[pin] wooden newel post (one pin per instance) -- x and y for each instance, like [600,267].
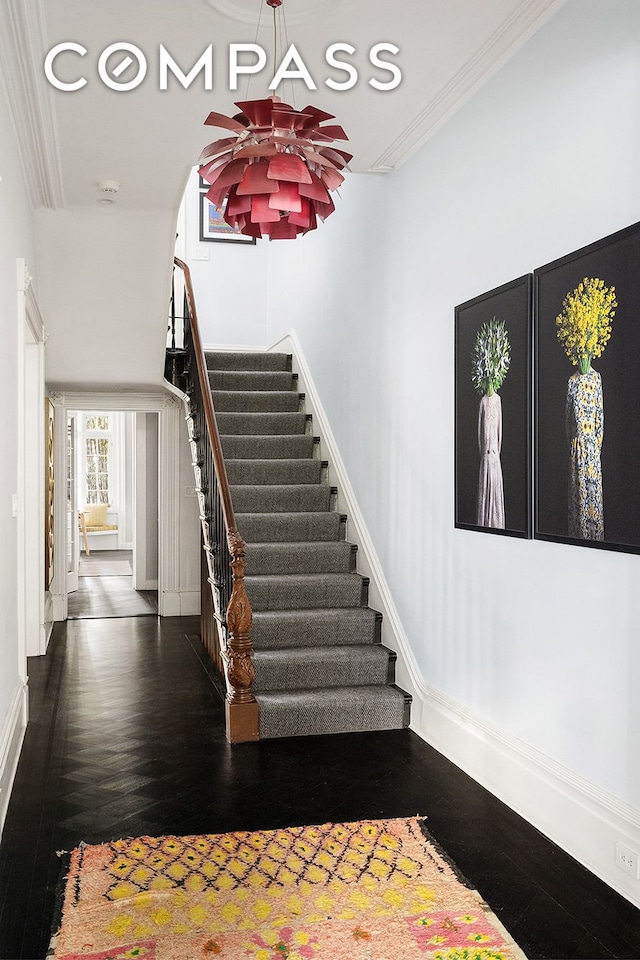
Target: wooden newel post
[241,705]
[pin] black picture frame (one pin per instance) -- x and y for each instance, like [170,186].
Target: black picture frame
[615,259]
[511,303]
[214,228]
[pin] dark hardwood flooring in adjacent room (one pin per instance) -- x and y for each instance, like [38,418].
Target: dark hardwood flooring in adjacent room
[126,738]
[109,596]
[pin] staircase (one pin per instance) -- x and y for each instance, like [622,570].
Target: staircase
[320,666]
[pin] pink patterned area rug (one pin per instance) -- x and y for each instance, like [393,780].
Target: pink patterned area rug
[369,890]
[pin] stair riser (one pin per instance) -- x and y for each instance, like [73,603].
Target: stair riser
[269,559]
[304,713]
[274,471]
[266,401]
[281,499]
[251,380]
[350,625]
[261,424]
[279,594]
[290,528]
[362,668]
[223,360]
[299,447]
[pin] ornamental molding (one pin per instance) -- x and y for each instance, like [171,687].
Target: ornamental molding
[23,45]
[34,317]
[142,402]
[528,17]
[248,11]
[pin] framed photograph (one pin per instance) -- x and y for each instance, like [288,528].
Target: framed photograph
[213,226]
[493,411]
[587,434]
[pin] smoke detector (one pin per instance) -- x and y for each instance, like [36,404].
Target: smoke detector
[108,190]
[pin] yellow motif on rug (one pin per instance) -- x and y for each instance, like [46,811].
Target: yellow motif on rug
[375,889]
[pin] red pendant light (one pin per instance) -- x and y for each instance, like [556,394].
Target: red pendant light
[274,176]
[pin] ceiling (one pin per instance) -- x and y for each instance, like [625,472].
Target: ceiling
[147,138]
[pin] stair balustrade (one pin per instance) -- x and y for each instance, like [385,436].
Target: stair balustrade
[223,546]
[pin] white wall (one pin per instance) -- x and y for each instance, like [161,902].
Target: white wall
[106,305]
[533,643]
[16,240]
[230,285]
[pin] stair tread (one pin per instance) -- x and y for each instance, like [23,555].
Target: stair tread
[332,653]
[383,690]
[303,545]
[306,577]
[266,487]
[318,613]
[257,393]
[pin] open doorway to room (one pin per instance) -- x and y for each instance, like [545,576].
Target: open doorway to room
[112,514]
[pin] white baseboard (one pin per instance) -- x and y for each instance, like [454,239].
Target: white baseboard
[183,604]
[59,606]
[190,603]
[578,816]
[11,737]
[48,620]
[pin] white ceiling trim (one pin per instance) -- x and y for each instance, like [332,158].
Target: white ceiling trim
[22,49]
[512,34]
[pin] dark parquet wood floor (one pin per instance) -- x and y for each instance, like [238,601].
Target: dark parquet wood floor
[126,738]
[109,596]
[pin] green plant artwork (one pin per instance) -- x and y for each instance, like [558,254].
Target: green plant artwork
[491,357]
[490,362]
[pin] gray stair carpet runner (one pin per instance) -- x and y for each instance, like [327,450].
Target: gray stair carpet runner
[320,665]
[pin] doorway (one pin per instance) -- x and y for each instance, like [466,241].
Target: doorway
[112,514]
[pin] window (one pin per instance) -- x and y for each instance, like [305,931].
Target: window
[98,444]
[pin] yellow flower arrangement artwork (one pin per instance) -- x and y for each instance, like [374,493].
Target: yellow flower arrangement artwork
[584,329]
[584,326]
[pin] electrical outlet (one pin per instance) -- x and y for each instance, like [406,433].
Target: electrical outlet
[628,860]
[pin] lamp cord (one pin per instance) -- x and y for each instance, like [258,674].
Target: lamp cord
[255,41]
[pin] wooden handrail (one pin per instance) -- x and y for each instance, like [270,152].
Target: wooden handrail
[240,704]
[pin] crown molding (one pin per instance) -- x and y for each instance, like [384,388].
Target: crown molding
[30,101]
[525,20]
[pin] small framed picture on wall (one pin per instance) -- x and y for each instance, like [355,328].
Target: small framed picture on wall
[214,227]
